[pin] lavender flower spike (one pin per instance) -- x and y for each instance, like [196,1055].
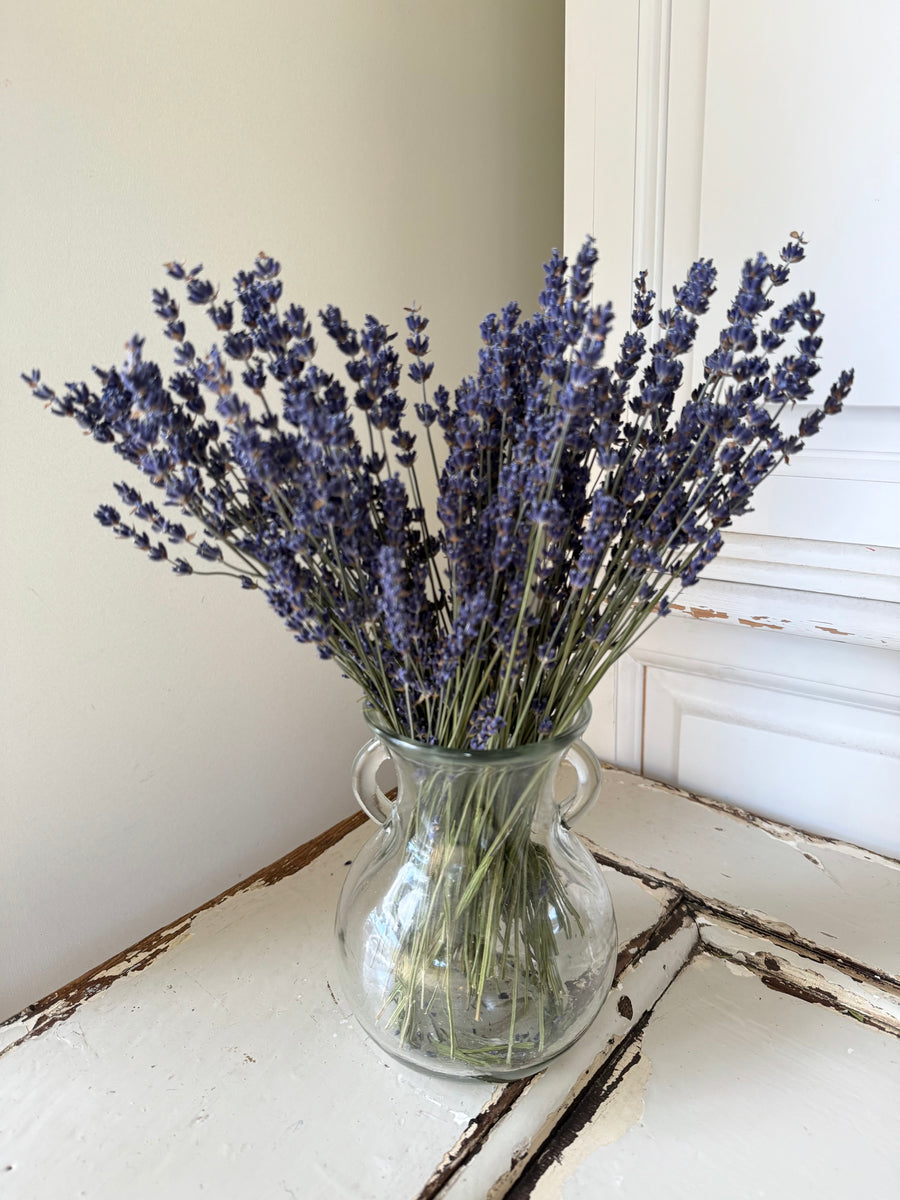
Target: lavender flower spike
[576,491]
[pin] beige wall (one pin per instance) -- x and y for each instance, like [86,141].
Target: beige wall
[162,738]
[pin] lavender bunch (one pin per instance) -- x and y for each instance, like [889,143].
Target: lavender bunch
[574,494]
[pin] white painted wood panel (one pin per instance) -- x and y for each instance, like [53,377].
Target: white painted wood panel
[228,1065]
[601,67]
[800,755]
[744,125]
[814,891]
[800,729]
[217,1058]
[739,1090]
[830,500]
[834,568]
[801,121]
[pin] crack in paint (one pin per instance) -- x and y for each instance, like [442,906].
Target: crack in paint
[695,904]
[815,995]
[598,1089]
[781,976]
[474,1136]
[619,1111]
[673,919]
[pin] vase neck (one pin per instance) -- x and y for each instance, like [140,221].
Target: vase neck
[450,795]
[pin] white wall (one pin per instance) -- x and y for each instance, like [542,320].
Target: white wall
[163,738]
[778,686]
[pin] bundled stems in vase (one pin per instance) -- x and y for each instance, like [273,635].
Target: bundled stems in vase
[482,924]
[577,491]
[464,940]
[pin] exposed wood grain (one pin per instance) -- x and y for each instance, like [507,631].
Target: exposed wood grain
[730,1088]
[838,901]
[622,1060]
[775,931]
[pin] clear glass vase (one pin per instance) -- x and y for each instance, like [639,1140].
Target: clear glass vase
[476,933]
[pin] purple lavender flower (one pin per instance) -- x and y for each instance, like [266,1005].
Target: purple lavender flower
[573,494]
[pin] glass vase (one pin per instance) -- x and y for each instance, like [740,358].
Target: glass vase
[476,933]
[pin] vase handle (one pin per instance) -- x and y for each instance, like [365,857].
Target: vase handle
[587,768]
[376,805]
[369,796]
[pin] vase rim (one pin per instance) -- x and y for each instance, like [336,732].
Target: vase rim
[559,741]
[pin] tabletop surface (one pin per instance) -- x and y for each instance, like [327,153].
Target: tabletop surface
[751,1041]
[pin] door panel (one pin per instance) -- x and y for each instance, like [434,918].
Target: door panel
[707,128]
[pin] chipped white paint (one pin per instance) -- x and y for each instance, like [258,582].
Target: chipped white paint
[763,957]
[637,905]
[227,1066]
[752,1093]
[621,1111]
[736,968]
[519,1133]
[844,899]
[852,619]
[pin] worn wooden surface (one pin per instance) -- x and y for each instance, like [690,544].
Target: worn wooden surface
[217,1057]
[733,1089]
[838,899]
[775,686]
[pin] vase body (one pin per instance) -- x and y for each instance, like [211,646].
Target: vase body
[476,933]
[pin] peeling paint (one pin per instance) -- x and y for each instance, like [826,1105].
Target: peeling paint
[815,995]
[605,1105]
[610,1105]
[674,917]
[831,629]
[693,904]
[704,614]
[737,968]
[790,970]
[475,1134]
[620,1111]
[775,829]
[37,1018]
[760,622]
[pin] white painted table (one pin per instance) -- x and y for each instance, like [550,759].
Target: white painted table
[750,1046]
